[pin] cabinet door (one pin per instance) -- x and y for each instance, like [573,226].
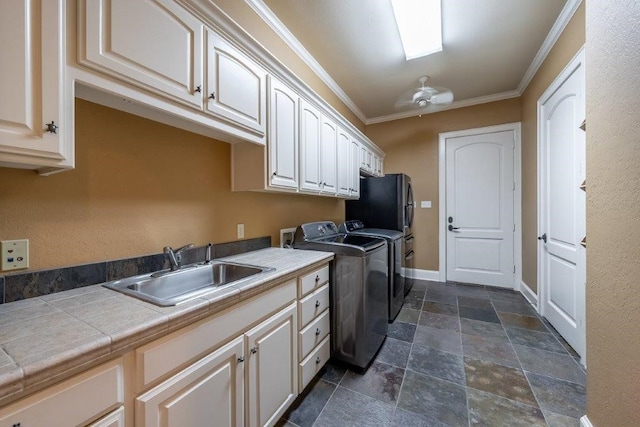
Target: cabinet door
[310,121]
[155,44]
[114,419]
[283,135]
[32,87]
[329,156]
[344,163]
[273,374]
[354,169]
[236,87]
[209,392]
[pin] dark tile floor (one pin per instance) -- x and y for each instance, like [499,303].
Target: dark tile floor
[457,355]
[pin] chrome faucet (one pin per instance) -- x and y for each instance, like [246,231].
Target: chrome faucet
[175,256]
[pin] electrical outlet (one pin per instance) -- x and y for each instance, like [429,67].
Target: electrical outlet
[425,204]
[240,231]
[15,254]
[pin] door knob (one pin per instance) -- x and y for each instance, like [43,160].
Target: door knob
[543,237]
[452,228]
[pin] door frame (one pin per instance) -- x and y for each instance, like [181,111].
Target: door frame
[517,195]
[577,61]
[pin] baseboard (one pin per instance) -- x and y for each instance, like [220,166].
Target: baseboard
[529,295]
[416,273]
[584,422]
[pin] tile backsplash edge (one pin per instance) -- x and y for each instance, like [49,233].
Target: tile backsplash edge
[31,284]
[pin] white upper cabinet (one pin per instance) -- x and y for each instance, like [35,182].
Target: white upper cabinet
[344,163]
[329,156]
[355,171]
[235,85]
[155,44]
[35,132]
[310,125]
[283,135]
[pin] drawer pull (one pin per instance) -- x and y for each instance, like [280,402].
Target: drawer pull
[317,360]
[317,303]
[254,350]
[317,331]
[317,278]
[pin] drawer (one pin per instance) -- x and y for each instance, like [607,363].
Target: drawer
[313,280]
[310,366]
[72,402]
[312,305]
[315,332]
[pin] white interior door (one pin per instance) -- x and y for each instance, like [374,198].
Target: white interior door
[479,210]
[562,217]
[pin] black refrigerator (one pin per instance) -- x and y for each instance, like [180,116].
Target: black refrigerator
[387,202]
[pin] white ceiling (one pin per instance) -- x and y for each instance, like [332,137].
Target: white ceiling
[491,48]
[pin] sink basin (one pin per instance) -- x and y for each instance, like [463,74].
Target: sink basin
[166,288]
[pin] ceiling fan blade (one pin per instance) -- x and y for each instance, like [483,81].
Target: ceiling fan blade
[441,98]
[405,104]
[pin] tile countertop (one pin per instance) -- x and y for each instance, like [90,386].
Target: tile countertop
[46,339]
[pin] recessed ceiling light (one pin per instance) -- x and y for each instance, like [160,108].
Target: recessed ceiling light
[420,26]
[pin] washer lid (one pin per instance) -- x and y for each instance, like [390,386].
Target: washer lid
[392,234]
[365,242]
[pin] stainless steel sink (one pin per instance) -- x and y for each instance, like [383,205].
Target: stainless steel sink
[166,288]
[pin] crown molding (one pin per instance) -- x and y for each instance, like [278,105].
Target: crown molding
[276,25]
[561,23]
[279,28]
[457,104]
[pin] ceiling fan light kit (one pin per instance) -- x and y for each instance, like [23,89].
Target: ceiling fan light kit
[425,96]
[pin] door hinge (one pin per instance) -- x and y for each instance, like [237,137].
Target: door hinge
[514,186]
[514,227]
[514,269]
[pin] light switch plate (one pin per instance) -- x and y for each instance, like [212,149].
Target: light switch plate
[240,231]
[425,204]
[15,254]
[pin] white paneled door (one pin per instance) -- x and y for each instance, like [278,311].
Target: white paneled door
[480,207]
[561,215]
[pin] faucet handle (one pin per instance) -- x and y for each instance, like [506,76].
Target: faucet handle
[187,246]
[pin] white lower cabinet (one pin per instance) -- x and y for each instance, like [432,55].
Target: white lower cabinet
[73,402]
[209,392]
[313,324]
[242,366]
[272,356]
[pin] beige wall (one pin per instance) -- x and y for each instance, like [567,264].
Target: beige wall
[139,186]
[565,48]
[411,147]
[613,208]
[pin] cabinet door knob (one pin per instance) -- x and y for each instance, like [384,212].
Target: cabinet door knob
[317,278]
[254,350]
[275,173]
[317,303]
[240,359]
[317,360]
[51,127]
[198,89]
[317,331]
[213,95]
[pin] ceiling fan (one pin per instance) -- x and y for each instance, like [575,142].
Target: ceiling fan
[425,97]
